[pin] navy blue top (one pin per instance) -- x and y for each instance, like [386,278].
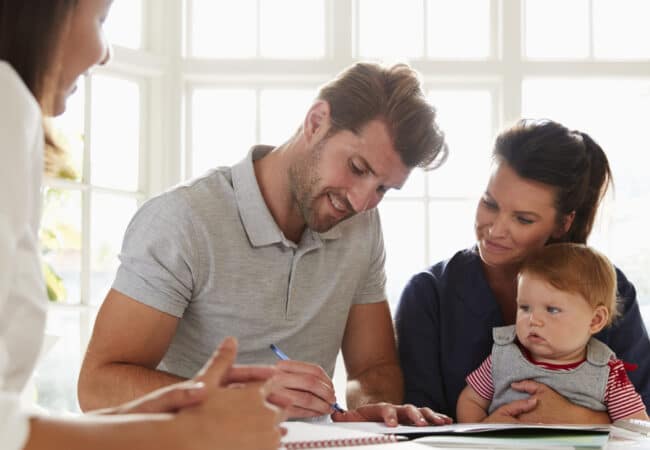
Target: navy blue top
[444,327]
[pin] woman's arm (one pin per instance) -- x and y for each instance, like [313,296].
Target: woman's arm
[417,327]
[220,417]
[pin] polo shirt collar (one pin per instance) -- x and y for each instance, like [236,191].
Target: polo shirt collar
[256,218]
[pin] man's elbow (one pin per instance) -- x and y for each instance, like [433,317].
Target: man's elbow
[89,387]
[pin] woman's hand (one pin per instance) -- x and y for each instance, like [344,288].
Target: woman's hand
[392,415]
[544,405]
[552,407]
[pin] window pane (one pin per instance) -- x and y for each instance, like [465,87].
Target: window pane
[556,28]
[110,214]
[282,112]
[115,138]
[466,118]
[223,127]
[454,33]
[292,28]
[414,186]
[54,385]
[387,31]
[621,29]
[621,130]
[451,228]
[403,226]
[224,29]
[124,23]
[70,129]
[61,243]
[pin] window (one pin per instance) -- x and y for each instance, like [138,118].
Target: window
[195,83]
[86,209]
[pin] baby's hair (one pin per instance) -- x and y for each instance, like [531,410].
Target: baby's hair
[578,269]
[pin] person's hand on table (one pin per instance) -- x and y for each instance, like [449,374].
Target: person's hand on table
[307,386]
[392,415]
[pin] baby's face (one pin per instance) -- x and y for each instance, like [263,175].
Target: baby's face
[553,325]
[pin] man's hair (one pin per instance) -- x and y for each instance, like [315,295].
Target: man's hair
[366,91]
[578,269]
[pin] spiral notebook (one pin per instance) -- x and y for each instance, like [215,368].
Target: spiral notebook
[307,435]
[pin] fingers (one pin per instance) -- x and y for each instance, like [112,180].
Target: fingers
[214,371]
[392,415]
[307,369]
[435,418]
[170,399]
[347,416]
[514,409]
[245,374]
[420,417]
[529,386]
[307,385]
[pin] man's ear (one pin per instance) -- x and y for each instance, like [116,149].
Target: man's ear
[564,227]
[599,319]
[317,121]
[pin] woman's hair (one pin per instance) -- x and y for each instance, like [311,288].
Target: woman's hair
[30,34]
[578,269]
[367,91]
[569,161]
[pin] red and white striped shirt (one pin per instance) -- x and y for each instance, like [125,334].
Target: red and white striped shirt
[621,399]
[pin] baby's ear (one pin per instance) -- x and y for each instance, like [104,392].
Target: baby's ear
[599,319]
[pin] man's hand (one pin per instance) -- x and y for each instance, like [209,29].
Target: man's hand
[307,386]
[392,415]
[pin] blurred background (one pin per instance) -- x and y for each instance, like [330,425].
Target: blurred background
[194,83]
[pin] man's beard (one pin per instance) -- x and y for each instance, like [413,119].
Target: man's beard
[304,179]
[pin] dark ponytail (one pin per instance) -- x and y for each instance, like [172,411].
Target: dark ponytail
[597,180]
[569,161]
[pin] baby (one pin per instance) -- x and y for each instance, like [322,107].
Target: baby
[566,294]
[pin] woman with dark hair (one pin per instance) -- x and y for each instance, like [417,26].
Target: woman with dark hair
[546,185]
[45,45]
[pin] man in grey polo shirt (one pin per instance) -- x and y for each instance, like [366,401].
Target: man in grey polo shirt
[284,247]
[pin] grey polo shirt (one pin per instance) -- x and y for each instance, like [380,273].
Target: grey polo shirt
[210,253]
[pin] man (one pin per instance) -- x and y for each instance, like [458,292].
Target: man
[283,248]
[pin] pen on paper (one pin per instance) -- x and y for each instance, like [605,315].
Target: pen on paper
[283,356]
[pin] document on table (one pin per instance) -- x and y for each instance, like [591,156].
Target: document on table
[497,435]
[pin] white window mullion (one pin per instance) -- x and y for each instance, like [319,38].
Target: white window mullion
[511,44]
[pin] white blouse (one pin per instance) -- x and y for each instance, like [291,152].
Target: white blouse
[22,289]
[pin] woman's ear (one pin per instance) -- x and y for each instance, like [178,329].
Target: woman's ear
[599,319]
[317,120]
[565,226]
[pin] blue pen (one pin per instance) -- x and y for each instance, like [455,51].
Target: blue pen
[283,356]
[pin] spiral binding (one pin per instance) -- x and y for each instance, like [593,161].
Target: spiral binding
[347,442]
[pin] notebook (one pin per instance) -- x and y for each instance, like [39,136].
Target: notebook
[308,435]
[531,436]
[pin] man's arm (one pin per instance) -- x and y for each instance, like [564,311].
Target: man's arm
[128,341]
[471,406]
[370,356]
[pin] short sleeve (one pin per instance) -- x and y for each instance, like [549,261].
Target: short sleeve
[481,379]
[621,399]
[158,263]
[373,287]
